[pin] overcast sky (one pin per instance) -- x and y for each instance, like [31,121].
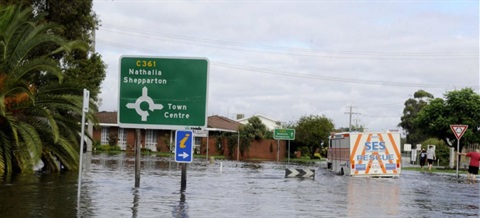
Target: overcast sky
[288,59]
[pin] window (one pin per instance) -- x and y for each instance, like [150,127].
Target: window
[151,139]
[122,138]
[196,146]
[198,141]
[104,136]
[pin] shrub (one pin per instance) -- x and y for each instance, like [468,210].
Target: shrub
[108,148]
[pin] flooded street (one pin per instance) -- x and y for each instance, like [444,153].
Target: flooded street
[232,189]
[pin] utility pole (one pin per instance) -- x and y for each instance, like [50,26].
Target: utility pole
[350,115]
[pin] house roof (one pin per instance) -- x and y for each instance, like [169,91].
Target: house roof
[215,122]
[107,117]
[257,115]
[222,123]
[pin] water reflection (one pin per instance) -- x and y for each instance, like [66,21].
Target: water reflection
[380,194]
[39,195]
[181,210]
[135,202]
[235,191]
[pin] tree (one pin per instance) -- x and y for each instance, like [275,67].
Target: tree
[311,131]
[412,107]
[254,129]
[35,122]
[459,107]
[79,23]
[62,102]
[355,128]
[442,152]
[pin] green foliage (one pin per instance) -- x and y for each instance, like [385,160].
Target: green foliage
[219,145]
[78,23]
[412,107]
[254,129]
[107,148]
[422,94]
[141,149]
[305,151]
[112,139]
[95,144]
[37,121]
[311,131]
[231,143]
[442,151]
[85,67]
[459,107]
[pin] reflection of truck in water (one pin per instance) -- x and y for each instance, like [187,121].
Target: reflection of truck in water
[365,154]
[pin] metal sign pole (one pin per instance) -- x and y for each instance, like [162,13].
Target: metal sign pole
[206,153]
[184,178]
[278,149]
[288,151]
[137,159]
[238,146]
[458,130]
[458,156]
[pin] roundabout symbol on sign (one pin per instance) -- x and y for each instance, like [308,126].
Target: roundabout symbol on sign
[144,98]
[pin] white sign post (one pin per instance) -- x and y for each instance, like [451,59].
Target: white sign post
[86,100]
[407,148]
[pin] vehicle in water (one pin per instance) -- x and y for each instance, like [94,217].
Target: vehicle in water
[365,154]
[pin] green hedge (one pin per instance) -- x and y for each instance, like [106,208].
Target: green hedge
[107,148]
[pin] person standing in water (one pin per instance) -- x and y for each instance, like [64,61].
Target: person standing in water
[430,157]
[423,158]
[473,165]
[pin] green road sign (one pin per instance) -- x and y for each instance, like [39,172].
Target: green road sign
[284,134]
[163,92]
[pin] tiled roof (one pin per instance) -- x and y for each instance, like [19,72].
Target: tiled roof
[105,117]
[217,122]
[220,122]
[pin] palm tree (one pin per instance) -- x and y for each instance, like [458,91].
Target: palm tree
[37,120]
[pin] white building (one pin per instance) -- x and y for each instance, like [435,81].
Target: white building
[270,123]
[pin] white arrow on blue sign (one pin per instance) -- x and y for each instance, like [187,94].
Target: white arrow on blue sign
[183,146]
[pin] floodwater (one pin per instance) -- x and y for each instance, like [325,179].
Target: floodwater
[232,189]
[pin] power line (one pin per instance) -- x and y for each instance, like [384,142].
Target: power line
[232,45]
[330,78]
[308,76]
[380,116]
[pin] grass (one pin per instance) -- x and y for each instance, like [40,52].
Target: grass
[304,160]
[436,170]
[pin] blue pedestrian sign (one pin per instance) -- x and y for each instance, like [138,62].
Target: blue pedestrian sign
[183,146]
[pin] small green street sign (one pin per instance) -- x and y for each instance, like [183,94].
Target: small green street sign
[284,134]
[163,92]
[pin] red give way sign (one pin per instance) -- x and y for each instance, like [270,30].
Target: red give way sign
[458,130]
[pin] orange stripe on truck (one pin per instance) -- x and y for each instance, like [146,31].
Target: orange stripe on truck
[369,138]
[395,148]
[352,154]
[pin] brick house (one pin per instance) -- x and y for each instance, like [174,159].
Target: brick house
[163,140]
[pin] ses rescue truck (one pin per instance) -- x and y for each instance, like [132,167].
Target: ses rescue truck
[365,154]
